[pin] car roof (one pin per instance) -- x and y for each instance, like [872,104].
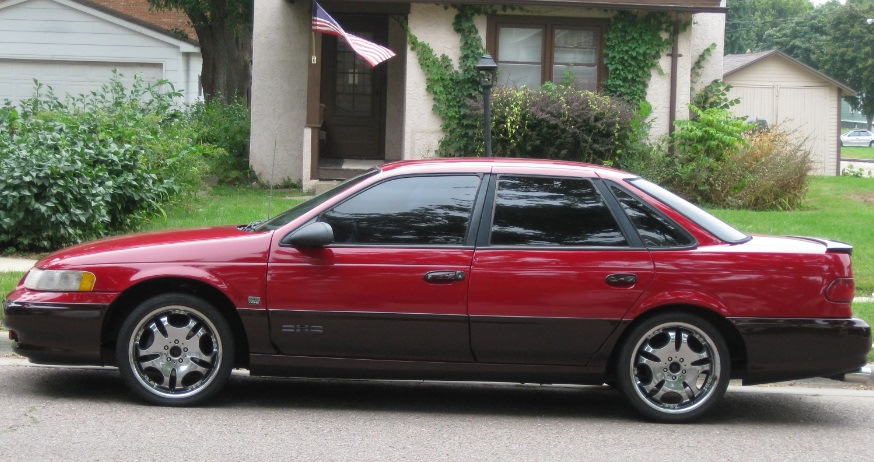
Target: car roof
[486,164]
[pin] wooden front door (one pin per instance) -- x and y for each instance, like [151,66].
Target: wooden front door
[354,93]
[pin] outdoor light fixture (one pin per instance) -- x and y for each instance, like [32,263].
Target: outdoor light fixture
[488,74]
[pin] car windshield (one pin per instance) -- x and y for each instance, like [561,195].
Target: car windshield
[304,207]
[703,219]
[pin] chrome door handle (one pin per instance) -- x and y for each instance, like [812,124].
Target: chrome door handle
[621,280]
[444,276]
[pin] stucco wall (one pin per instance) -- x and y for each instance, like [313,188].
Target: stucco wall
[281,42]
[431,24]
[705,29]
[394,104]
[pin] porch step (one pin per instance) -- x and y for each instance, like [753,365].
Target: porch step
[343,169]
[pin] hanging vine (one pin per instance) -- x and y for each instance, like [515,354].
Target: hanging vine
[454,89]
[634,44]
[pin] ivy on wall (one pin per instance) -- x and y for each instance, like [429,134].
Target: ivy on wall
[634,43]
[454,89]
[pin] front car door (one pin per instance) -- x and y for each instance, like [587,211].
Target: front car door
[554,272]
[394,283]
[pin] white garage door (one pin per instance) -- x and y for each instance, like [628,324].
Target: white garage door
[65,77]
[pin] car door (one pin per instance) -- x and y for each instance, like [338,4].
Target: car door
[392,285]
[553,272]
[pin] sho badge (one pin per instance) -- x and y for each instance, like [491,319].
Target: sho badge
[301,329]
[254,300]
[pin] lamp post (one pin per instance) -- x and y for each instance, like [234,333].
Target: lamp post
[488,74]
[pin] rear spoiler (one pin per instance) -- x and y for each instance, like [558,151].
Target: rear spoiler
[830,246]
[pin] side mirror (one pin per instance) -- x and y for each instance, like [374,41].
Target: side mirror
[315,234]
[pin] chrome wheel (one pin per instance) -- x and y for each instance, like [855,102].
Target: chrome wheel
[673,367]
[175,349]
[175,352]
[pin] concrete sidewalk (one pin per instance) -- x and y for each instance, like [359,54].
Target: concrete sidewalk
[15,264]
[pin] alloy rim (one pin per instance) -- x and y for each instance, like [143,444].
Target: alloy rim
[675,368]
[174,352]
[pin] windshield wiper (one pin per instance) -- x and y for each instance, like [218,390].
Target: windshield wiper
[251,226]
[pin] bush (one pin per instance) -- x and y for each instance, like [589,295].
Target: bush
[225,126]
[719,162]
[92,165]
[560,122]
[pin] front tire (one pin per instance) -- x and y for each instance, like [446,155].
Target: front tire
[673,367]
[175,350]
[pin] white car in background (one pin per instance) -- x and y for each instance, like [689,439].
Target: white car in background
[857,138]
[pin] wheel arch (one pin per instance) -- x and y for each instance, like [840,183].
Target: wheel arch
[122,306]
[736,345]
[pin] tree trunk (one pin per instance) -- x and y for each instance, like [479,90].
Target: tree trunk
[869,117]
[227,56]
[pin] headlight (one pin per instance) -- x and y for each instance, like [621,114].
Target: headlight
[60,281]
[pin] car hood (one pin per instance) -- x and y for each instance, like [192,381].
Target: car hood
[219,244]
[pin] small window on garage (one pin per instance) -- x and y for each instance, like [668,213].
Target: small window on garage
[549,211]
[420,210]
[656,230]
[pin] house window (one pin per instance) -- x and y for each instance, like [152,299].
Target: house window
[531,51]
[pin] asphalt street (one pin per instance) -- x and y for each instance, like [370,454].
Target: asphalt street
[50,413]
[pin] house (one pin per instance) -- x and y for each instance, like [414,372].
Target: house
[851,118]
[775,87]
[318,114]
[72,45]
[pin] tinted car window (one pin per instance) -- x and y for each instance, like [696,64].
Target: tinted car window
[431,210]
[705,220]
[552,212]
[655,229]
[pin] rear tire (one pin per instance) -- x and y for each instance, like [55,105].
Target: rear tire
[673,367]
[175,350]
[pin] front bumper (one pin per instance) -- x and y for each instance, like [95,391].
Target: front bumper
[780,349]
[56,332]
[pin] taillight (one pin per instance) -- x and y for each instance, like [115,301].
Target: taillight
[841,290]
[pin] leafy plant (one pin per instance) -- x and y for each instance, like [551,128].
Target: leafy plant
[561,122]
[225,126]
[454,90]
[94,164]
[634,43]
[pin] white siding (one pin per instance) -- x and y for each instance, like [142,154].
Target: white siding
[54,42]
[785,93]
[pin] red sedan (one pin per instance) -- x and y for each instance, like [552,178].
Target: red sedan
[464,269]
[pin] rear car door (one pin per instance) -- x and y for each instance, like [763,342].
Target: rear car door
[553,272]
[393,285]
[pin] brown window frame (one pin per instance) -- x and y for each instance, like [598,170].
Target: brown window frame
[548,24]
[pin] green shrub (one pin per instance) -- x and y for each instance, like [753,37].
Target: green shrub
[225,126]
[560,122]
[718,164]
[92,165]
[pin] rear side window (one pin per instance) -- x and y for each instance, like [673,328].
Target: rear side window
[547,211]
[656,230]
[432,210]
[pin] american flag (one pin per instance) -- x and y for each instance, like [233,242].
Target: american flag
[369,51]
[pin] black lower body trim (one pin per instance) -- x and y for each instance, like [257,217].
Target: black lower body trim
[781,349]
[300,366]
[56,333]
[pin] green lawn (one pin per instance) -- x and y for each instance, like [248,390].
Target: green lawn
[857,153]
[839,208]
[8,281]
[225,206]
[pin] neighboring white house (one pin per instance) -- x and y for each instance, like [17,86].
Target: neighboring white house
[775,87]
[74,45]
[317,114]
